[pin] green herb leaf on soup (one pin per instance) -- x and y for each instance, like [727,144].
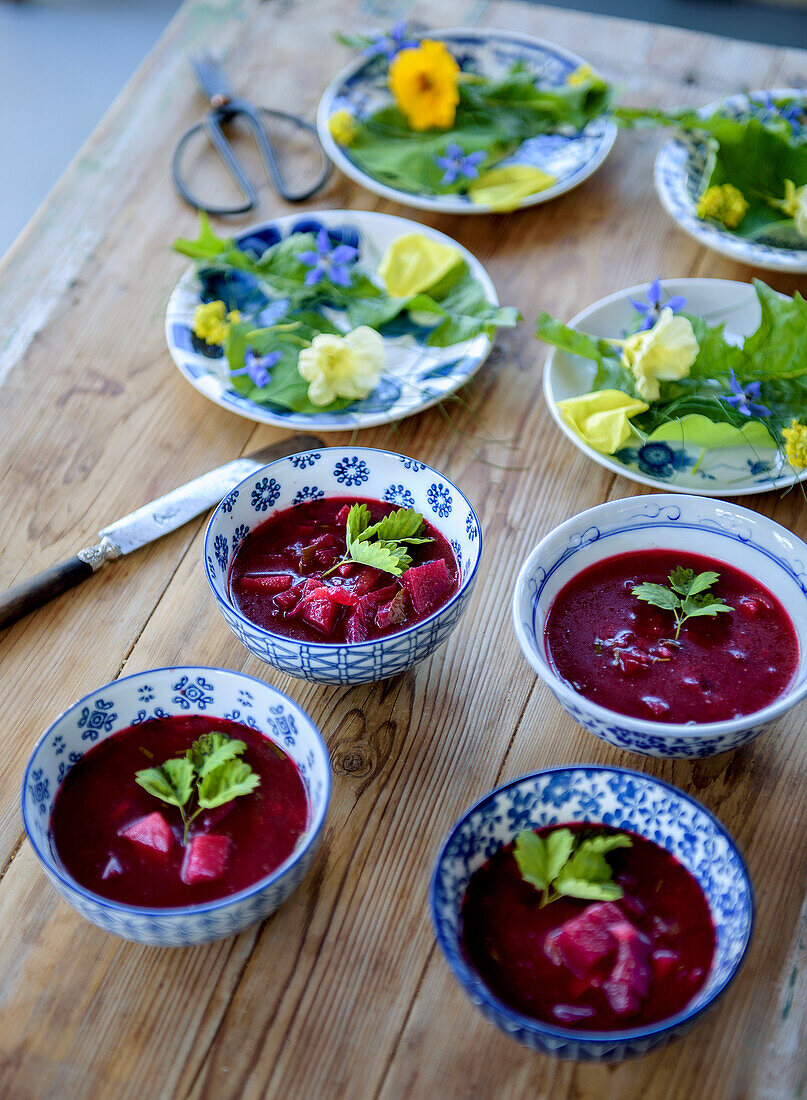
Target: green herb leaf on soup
[688,598]
[561,863]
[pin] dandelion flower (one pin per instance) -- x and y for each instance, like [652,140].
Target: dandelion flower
[342,366]
[796,444]
[724,203]
[211,322]
[580,75]
[343,127]
[424,83]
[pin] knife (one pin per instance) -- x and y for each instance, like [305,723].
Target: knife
[148,523]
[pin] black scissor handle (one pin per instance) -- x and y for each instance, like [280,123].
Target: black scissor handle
[213,126]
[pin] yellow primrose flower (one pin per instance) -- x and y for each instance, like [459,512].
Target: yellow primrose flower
[663,353]
[794,205]
[342,366]
[343,127]
[581,74]
[424,83]
[796,444]
[503,188]
[211,323]
[414,262]
[724,203]
[601,419]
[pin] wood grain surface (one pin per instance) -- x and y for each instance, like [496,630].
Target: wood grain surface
[342,993]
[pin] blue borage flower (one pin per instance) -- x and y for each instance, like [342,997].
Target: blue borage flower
[651,308]
[742,398]
[765,109]
[258,368]
[390,43]
[457,163]
[328,262]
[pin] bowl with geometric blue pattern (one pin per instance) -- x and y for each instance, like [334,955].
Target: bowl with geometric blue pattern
[361,473]
[621,799]
[746,540]
[142,698]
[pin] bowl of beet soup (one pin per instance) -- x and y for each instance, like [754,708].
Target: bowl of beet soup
[134,863]
[300,598]
[600,975]
[659,672]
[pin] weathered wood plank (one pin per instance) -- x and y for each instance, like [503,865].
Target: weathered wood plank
[342,992]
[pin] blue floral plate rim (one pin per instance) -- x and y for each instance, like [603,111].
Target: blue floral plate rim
[470,979]
[456,364]
[756,480]
[200,907]
[675,162]
[453,204]
[465,582]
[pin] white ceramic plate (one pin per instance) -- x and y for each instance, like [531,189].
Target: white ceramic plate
[679,170]
[724,471]
[361,88]
[415,377]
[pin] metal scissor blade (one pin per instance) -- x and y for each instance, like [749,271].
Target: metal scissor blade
[210,77]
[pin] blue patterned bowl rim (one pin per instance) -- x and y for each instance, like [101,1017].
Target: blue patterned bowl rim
[351,646]
[669,177]
[795,693]
[313,831]
[451,204]
[472,982]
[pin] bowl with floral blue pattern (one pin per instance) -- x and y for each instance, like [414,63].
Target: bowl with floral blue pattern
[161,693]
[684,162]
[416,374]
[716,529]
[568,156]
[365,473]
[621,799]
[672,462]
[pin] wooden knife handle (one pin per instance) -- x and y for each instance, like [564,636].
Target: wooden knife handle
[36,591]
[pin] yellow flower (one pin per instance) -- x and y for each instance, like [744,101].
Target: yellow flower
[424,83]
[725,204]
[342,366]
[601,419]
[211,323]
[343,127]
[663,353]
[796,444]
[503,188]
[581,74]
[414,262]
[794,205]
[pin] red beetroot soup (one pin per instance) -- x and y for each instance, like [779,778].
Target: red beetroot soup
[591,966]
[276,577]
[621,652]
[123,843]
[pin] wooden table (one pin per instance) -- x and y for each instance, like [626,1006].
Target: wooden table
[342,993]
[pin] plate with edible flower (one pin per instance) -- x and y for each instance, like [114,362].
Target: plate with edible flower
[467,120]
[735,175]
[334,321]
[692,384]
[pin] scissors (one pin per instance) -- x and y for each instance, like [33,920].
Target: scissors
[225,107]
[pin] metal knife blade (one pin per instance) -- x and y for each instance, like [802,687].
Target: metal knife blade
[168,512]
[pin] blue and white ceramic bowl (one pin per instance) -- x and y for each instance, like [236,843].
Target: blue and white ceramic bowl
[159,693]
[624,800]
[681,164]
[416,375]
[361,88]
[715,528]
[359,472]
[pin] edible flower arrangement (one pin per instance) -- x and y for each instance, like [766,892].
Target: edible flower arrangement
[671,376]
[755,180]
[447,129]
[302,323]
